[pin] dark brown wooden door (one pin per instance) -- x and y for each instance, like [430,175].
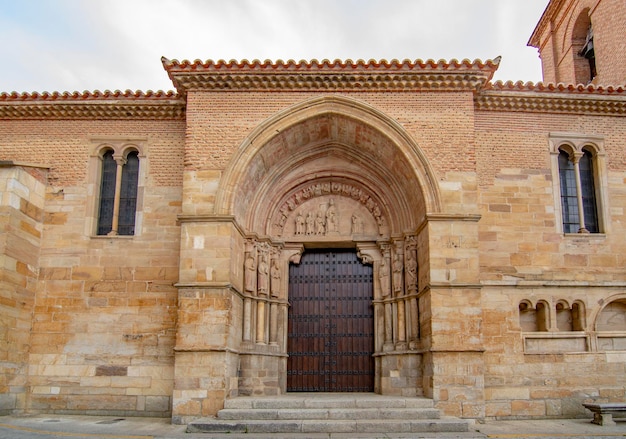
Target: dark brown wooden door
[331,324]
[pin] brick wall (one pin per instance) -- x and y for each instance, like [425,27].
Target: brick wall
[559,55]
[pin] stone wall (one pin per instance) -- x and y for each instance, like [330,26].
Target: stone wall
[104,315]
[530,271]
[22,189]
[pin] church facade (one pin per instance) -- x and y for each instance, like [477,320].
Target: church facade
[405,228]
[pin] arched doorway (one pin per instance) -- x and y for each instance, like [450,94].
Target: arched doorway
[331,323]
[330,173]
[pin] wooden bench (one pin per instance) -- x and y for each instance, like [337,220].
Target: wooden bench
[603,413]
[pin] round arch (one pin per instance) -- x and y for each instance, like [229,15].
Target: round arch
[336,141]
[609,301]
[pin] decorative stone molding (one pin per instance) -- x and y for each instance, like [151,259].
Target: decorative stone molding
[535,101]
[89,105]
[330,75]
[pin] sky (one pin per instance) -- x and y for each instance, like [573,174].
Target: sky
[77,45]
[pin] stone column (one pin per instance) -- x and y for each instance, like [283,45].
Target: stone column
[120,161]
[575,158]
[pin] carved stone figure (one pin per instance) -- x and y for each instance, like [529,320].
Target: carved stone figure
[300,224]
[310,224]
[331,218]
[275,275]
[320,224]
[357,225]
[250,273]
[384,278]
[263,279]
[398,267]
[411,272]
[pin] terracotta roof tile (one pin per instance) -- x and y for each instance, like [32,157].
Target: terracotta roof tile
[325,64]
[88,96]
[328,75]
[556,88]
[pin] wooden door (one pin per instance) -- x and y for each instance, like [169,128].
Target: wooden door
[331,324]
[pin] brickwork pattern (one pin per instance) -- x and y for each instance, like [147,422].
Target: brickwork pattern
[559,56]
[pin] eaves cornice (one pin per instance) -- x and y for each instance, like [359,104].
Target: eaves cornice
[92,105]
[552,98]
[544,22]
[330,75]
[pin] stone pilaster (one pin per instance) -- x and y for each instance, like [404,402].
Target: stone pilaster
[22,195]
[210,309]
[451,317]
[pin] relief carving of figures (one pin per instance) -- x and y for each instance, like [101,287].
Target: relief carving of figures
[250,273]
[275,275]
[398,268]
[263,279]
[331,218]
[384,278]
[330,214]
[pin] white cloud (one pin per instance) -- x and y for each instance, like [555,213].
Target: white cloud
[117,44]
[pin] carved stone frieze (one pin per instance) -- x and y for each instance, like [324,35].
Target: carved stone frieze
[329,208]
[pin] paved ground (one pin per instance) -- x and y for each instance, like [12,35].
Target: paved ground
[90,427]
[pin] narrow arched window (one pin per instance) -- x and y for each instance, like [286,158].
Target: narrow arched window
[589,54]
[569,197]
[588,192]
[583,49]
[107,193]
[118,196]
[578,204]
[128,196]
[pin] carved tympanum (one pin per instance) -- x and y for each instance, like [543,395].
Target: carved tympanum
[328,208]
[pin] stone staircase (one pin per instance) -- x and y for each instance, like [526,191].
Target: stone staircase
[328,413]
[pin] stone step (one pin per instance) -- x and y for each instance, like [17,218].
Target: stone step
[447,425]
[334,400]
[328,413]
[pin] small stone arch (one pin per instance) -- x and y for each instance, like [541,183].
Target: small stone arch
[527,316]
[579,315]
[564,319]
[543,316]
[612,316]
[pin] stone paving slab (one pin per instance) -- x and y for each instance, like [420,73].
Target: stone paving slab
[102,427]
